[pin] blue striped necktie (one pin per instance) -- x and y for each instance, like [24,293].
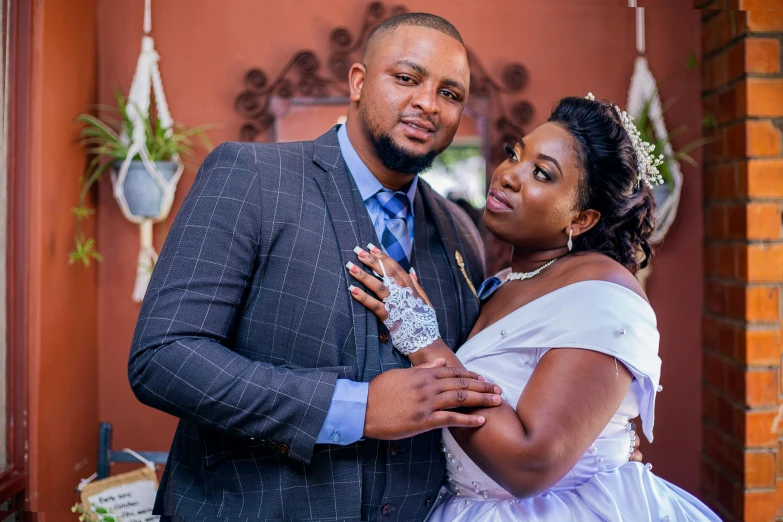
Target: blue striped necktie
[396,238]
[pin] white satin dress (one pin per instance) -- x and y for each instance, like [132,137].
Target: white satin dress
[604,485]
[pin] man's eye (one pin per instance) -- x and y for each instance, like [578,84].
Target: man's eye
[404,79]
[449,94]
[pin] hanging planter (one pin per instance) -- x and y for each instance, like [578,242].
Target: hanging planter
[145,155]
[644,103]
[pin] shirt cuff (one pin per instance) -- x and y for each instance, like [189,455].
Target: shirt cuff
[344,423]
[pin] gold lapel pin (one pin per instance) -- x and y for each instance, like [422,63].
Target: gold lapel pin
[461,264]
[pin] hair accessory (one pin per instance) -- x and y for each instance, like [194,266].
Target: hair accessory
[647,163]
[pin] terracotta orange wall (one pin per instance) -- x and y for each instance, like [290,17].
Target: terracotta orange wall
[568,47]
[62,335]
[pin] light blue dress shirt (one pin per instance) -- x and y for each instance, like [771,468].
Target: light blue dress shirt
[344,423]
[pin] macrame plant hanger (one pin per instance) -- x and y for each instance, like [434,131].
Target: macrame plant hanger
[146,81]
[644,90]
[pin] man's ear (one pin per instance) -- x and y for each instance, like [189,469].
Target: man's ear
[584,221]
[356,76]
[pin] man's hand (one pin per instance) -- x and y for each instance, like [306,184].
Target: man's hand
[402,403]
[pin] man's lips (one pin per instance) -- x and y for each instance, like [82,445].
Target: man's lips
[417,123]
[497,201]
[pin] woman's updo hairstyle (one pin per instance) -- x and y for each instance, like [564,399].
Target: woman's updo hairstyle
[609,184]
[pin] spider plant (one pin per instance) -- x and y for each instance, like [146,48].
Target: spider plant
[101,138]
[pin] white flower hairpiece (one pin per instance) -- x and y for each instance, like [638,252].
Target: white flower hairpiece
[647,163]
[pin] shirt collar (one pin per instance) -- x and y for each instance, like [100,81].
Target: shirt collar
[366,182]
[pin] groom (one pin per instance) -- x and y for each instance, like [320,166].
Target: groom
[293,404]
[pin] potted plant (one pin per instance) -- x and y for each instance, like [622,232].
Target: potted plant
[140,191]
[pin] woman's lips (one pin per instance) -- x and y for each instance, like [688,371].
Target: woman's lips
[497,202]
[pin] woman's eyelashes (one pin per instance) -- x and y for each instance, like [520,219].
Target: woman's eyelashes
[541,174]
[512,154]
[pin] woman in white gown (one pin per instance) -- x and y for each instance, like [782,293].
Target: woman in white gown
[566,332]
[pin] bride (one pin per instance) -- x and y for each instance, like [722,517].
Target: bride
[567,332]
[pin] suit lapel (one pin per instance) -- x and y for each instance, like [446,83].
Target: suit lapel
[337,187]
[452,244]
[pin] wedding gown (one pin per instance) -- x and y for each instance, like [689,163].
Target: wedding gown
[603,485]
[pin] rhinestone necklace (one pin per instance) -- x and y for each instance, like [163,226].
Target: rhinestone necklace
[521,276]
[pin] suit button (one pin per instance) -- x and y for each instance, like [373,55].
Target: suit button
[384,337]
[284,449]
[386,509]
[428,502]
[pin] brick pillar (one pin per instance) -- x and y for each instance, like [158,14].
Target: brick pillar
[742,464]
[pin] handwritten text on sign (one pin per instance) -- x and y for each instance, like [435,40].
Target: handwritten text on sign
[132,502]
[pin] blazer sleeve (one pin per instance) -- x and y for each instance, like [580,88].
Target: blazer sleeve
[180,361]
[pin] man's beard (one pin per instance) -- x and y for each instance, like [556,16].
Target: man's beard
[397,158]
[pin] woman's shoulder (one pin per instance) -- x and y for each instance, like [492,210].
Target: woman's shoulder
[592,266]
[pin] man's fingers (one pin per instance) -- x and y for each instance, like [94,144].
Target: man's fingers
[469,385]
[437,363]
[451,419]
[373,284]
[452,372]
[636,456]
[369,302]
[466,399]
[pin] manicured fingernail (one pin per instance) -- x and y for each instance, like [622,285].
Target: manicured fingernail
[361,253]
[496,399]
[498,390]
[372,248]
[353,268]
[481,420]
[354,290]
[412,271]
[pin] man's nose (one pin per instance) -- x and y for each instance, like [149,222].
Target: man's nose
[426,99]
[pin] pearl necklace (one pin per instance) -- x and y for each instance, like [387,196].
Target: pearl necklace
[521,276]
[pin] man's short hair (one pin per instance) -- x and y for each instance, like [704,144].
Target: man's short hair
[428,20]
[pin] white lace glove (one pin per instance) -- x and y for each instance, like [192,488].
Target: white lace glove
[412,323]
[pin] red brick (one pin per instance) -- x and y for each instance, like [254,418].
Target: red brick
[727,340]
[779,494]
[763,139]
[735,382]
[763,262]
[761,387]
[714,298]
[762,303]
[758,506]
[709,404]
[759,469]
[729,494]
[727,261]
[763,220]
[761,21]
[734,301]
[765,97]
[717,32]
[717,222]
[760,347]
[710,260]
[709,479]
[761,179]
[736,221]
[762,55]
[763,6]
[757,428]
[714,372]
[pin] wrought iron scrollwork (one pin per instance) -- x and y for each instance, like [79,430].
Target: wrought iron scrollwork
[302,77]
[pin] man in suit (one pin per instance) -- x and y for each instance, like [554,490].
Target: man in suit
[293,403]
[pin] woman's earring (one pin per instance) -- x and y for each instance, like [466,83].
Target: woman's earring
[570,241]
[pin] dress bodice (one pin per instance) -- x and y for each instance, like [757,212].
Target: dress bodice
[606,318]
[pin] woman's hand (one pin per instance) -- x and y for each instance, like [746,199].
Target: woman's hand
[383,265]
[400,301]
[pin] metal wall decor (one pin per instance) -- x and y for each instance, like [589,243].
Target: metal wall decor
[262,101]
